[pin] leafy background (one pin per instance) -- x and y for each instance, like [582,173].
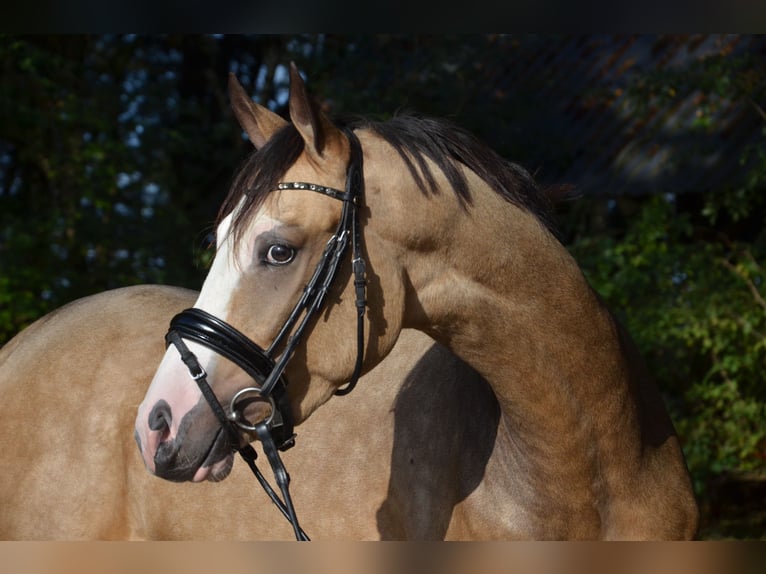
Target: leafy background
[116,151]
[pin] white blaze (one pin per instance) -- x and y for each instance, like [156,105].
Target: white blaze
[172,381]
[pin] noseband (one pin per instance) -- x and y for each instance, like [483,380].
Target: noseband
[266,366]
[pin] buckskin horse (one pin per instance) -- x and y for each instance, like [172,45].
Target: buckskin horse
[569,440]
[332,241]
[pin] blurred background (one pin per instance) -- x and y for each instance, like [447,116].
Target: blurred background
[116,151]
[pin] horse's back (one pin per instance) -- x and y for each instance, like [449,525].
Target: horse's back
[69,387]
[87,320]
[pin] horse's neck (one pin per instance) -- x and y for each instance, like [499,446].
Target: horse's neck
[510,300]
[585,447]
[507,298]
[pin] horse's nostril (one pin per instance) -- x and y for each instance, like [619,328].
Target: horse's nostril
[160,417]
[165,456]
[166,462]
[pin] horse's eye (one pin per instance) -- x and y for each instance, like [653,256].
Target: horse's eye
[278,254]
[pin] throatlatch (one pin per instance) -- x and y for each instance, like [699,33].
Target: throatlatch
[265,367]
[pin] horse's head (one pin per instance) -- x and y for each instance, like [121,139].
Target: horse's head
[271,240]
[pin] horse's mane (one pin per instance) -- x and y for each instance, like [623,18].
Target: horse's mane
[415,138]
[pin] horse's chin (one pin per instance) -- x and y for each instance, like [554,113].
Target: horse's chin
[215,472]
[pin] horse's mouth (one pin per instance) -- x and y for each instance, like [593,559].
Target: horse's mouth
[219,461]
[215,472]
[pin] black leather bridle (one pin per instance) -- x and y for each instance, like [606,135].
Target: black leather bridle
[266,367]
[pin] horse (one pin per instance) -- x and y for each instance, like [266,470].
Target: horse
[447,238]
[71,383]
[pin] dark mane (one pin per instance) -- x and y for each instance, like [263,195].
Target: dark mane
[446,144]
[415,138]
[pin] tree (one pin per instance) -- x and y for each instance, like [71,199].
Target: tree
[115,152]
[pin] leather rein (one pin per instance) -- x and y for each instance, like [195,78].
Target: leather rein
[265,366]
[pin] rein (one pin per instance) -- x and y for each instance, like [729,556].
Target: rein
[275,431]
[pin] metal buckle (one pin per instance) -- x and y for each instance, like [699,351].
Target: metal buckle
[199,375]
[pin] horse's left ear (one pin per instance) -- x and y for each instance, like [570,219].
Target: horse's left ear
[319,133]
[258,122]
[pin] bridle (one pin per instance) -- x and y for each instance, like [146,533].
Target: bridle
[266,367]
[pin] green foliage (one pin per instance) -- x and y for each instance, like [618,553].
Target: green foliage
[686,275]
[115,152]
[696,310]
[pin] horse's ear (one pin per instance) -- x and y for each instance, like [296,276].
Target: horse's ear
[318,132]
[258,122]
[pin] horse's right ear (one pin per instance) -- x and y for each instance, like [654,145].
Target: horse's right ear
[258,122]
[318,132]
